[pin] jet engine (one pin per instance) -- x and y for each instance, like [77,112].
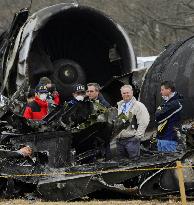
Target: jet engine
[70,44]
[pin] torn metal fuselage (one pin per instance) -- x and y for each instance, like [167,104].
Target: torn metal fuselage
[72,164]
[54,174]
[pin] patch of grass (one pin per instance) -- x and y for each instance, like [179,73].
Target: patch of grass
[95,202]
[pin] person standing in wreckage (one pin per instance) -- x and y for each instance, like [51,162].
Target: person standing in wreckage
[168,117]
[79,93]
[93,93]
[135,112]
[99,103]
[53,97]
[38,108]
[79,104]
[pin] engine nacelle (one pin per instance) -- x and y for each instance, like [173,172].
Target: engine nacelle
[69,44]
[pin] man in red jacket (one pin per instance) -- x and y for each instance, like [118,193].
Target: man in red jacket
[38,108]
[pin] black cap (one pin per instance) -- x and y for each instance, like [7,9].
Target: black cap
[79,88]
[41,89]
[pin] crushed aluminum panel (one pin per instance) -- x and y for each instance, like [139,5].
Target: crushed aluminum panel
[165,181]
[11,58]
[105,175]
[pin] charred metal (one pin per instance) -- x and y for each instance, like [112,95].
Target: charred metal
[74,44]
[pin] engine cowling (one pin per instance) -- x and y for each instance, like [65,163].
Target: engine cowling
[70,44]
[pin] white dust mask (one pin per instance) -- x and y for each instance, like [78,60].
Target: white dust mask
[79,98]
[43,96]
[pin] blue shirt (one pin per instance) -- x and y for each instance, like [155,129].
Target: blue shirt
[125,107]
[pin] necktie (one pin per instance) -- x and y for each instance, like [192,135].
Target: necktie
[124,108]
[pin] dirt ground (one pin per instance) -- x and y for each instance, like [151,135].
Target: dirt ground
[97,202]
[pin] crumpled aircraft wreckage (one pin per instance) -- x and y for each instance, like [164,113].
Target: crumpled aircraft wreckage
[74,44]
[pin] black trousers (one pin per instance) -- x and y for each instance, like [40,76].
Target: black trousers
[128,147]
